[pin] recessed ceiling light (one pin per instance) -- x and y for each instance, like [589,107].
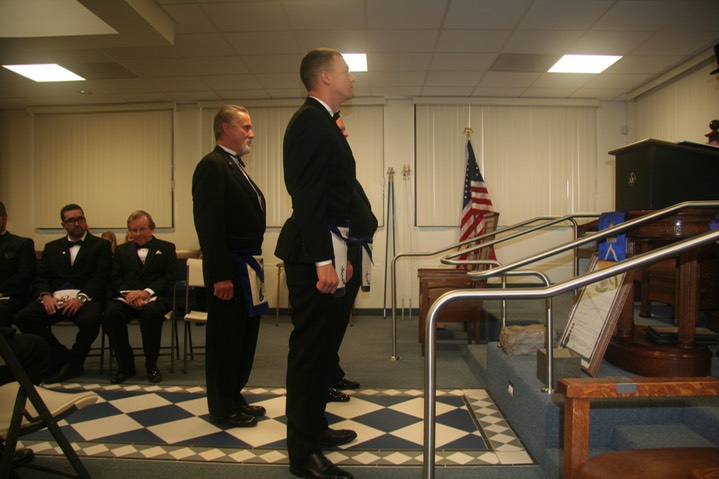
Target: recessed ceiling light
[584,63]
[45,72]
[356,61]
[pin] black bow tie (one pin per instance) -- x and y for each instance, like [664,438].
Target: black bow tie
[237,159]
[146,245]
[70,244]
[336,115]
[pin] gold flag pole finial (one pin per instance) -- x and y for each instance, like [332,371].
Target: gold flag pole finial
[468,131]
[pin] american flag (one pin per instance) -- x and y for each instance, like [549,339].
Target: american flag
[476,202]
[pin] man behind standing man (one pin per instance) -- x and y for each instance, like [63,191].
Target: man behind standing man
[363,225]
[319,172]
[229,211]
[70,285]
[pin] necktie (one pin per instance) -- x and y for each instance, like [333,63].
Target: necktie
[238,160]
[142,251]
[239,163]
[73,252]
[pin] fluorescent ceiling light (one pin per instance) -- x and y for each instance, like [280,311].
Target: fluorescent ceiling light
[584,63]
[356,61]
[45,72]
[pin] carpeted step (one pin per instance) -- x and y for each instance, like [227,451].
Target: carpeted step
[627,437]
[704,417]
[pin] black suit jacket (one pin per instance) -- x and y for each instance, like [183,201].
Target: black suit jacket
[229,214]
[319,173]
[89,273]
[363,223]
[157,273]
[17,265]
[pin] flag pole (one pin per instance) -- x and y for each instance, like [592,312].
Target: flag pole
[389,229]
[468,131]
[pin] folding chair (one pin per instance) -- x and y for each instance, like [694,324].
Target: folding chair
[194,280]
[25,408]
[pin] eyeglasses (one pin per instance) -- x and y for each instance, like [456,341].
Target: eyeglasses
[79,219]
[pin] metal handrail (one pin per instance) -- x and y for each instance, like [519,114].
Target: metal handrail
[605,233]
[507,269]
[430,363]
[550,220]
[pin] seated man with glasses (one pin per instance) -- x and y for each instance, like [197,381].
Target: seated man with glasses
[70,285]
[143,275]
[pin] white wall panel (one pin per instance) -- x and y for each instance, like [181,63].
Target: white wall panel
[536,160]
[679,110]
[110,163]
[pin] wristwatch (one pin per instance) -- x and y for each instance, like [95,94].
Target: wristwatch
[83,298]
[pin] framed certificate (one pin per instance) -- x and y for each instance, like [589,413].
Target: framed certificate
[594,316]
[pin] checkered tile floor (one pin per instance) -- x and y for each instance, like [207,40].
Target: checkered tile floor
[170,423]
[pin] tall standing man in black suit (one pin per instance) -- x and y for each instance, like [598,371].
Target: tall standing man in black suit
[142,278]
[229,211]
[319,173]
[17,270]
[70,285]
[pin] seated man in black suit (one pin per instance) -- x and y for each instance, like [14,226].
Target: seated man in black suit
[17,269]
[143,275]
[70,285]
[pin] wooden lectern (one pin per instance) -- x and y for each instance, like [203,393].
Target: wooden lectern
[653,174]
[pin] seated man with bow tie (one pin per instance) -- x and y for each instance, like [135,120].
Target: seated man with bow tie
[143,275]
[70,285]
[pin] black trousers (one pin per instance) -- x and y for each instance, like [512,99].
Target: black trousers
[314,342]
[151,318]
[231,340]
[8,309]
[32,352]
[34,320]
[346,302]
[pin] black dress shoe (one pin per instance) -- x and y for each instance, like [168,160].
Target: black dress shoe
[122,376]
[346,384]
[317,466]
[66,373]
[23,457]
[255,411]
[334,395]
[153,375]
[238,419]
[337,437]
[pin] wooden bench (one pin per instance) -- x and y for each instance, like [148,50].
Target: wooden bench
[658,463]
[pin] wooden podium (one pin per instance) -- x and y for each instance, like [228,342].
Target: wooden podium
[653,174]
